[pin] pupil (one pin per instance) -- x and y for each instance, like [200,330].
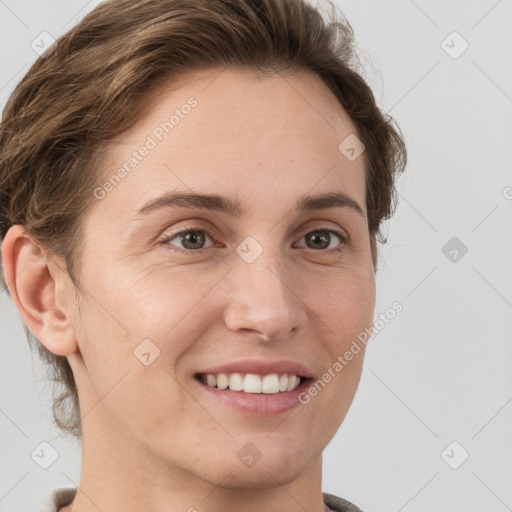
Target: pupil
[193,236]
[325,238]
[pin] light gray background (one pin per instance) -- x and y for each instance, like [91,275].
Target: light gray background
[440,371]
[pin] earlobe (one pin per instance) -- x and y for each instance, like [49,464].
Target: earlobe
[39,290]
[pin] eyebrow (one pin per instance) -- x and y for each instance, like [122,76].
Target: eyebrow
[233,206]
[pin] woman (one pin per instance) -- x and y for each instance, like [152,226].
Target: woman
[191,201]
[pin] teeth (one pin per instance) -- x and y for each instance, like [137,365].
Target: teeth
[222,381]
[292,382]
[235,382]
[252,383]
[270,384]
[283,383]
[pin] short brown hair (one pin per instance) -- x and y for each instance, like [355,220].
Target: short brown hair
[92,87]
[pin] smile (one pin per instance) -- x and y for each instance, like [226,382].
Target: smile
[269,384]
[254,387]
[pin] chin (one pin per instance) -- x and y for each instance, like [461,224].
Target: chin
[263,475]
[261,463]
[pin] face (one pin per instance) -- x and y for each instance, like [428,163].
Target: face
[178,290]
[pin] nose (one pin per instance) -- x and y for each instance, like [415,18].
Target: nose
[264,299]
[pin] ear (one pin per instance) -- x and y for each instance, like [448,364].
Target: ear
[41,291]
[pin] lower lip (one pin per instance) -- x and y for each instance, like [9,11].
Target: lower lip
[257,404]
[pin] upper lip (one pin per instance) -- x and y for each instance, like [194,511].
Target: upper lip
[261,367]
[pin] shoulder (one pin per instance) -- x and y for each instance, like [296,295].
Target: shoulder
[339,504]
[58,498]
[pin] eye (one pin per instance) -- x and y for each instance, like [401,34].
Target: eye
[322,238]
[192,240]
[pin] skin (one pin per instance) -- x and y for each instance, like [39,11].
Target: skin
[151,440]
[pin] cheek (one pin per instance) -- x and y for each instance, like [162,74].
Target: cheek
[150,303]
[344,304]
[344,307]
[171,308]
[111,329]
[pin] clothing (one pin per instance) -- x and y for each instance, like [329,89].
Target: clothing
[64,496]
[339,504]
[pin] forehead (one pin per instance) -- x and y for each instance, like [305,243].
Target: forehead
[230,131]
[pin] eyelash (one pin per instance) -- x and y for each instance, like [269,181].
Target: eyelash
[168,238]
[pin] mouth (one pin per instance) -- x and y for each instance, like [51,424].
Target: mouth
[252,383]
[253,394]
